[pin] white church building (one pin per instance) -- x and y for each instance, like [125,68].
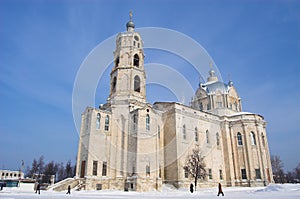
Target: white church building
[130,144]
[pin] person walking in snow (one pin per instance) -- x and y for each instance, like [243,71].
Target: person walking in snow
[220,190]
[38,188]
[191,188]
[69,190]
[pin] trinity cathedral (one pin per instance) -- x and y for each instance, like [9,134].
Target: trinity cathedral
[129,144]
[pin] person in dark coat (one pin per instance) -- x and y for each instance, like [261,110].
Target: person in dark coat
[220,190]
[2,185]
[38,188]
[191,188]
[69,190]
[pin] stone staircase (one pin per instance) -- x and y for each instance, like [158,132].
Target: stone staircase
[76,184]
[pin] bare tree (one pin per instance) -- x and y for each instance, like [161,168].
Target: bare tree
[50,169]
[33,170]
[41,165]
[297,173]
[277,167]
[68,169]
[60,171]
[195,166]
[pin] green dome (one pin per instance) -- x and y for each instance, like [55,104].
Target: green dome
[130,24]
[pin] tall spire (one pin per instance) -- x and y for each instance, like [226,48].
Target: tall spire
[130,24]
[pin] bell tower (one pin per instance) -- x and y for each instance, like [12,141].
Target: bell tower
[127,78]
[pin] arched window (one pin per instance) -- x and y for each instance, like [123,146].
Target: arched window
[117,61]
[239,139]
[137,84]
[252,135]
[114,83]
[147,122]
[196,134]
[98,121]
[184,132]
[207,137]
[218,138]
[136,60]
[106,127]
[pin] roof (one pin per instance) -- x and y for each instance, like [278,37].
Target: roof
[213,87]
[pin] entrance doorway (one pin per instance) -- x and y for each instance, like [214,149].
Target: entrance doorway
[82,172]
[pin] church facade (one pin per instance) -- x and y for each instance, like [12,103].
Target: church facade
[129,144]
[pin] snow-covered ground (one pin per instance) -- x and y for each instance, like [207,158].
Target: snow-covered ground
[275,191]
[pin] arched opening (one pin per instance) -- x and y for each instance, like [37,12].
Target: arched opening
[196,135]
[253,140]
[147,122]
[137,84]
[117,61]
[239,139]
[136,60]
[207,137]
[114,83]
[98,121]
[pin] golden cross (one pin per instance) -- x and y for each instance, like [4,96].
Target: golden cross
[130,15]
[210,65]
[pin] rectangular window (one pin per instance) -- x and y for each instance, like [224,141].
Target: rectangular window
[106,126]
[257,174]
[148,122]
[184,132]
[104,169]
[186,173]
[218,139]
[221,174]
[98,186]
[147,170]
[158,131]
[95,167]
[219,104]
[209,174]
[196,135]
[244,174]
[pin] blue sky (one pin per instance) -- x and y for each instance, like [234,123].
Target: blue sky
[43,43]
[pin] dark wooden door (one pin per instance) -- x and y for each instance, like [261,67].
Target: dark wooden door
[82,169]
